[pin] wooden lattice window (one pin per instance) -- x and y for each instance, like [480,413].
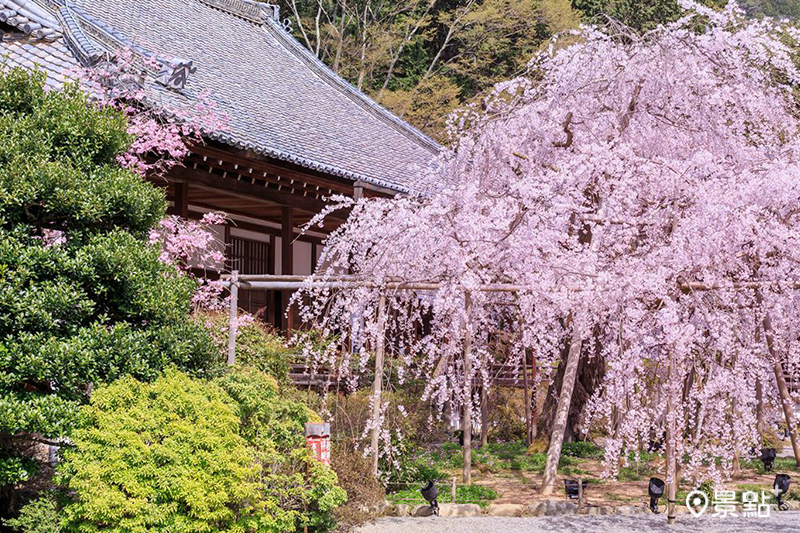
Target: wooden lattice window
[249,257]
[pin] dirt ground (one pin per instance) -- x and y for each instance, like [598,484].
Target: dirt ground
[523,487]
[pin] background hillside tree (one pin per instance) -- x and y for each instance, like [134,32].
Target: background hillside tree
[84,296]
[424,58]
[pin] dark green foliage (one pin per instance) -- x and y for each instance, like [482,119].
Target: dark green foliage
[584,449]
[84,298]
[789,9]
[640,15]
[42,515]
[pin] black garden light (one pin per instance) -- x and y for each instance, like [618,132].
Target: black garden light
[781,487]
[768,458]
[430,492]
[656,490]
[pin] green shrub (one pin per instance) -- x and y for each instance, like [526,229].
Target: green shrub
[164,455]
[39,516]
[184,454]
[84,298]
[297,490]
[256,345]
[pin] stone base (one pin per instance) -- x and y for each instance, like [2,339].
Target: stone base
[505,509]
[459,509]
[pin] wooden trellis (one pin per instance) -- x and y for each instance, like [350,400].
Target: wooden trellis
[293,283]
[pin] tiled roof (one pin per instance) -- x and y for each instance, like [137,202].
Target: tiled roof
[53,57]
[280,100]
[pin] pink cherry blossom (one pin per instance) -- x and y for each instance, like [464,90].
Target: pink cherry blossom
[610,177]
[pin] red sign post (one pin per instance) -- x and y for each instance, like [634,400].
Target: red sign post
[318,441]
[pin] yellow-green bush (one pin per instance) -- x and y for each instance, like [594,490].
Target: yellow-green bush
[184,454]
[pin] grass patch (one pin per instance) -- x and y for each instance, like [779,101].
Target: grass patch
[781,464]
[464,494]
[505,456]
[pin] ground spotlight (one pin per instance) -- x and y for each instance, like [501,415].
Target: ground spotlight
[781,487]
[430,492]
[656,490]
[768,458]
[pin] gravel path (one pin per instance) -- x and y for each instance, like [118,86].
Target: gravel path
[776,523]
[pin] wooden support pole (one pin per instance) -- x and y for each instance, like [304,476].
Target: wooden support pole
[672,473]
[580,495]
[562,413]
[777,368]
[484,416]
[287,264]
[377,384]
[467,474]
[232,326]
[527,398]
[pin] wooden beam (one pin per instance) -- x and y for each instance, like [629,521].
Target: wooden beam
[203,179]
[275,232]
[268,214]
[336,185]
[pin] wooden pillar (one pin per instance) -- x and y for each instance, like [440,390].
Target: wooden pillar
[287,264]
[181,199]
[467,474]
[233,312]
[313,257]
[272,317]
[377,384]
[229,266]
[777,368]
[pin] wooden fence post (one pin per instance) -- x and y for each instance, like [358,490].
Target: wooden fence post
[377,385]
[232,325]
[527,396]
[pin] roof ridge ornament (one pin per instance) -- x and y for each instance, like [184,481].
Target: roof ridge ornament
[174,73]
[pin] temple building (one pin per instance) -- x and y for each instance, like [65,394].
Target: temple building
[295,134]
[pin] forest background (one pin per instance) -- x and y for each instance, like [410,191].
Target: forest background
[423,59]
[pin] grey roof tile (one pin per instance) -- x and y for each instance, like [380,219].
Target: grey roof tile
[281,101]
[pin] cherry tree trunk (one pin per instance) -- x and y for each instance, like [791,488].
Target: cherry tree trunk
[377,385]
[562,412]
[777,367]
